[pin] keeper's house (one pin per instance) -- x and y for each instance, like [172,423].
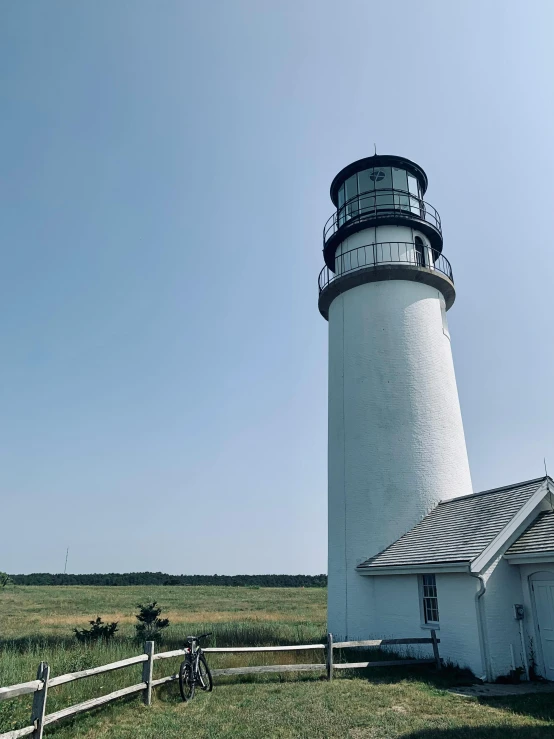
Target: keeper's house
[481,569]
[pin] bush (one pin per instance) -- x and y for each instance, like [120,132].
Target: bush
[150,626]
[99,631]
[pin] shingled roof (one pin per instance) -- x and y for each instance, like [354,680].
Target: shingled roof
[539,537]
[457,530]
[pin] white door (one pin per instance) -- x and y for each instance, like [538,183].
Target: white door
[544,603]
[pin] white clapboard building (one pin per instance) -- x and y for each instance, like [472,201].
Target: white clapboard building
[411,546]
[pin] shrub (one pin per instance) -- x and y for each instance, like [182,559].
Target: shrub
[5,579]
[150,626]
[99,631]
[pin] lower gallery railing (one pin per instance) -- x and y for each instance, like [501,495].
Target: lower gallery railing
[385,253]
[40,687]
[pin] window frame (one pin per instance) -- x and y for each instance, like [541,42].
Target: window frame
[423,597]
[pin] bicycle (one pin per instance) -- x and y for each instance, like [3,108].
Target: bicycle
[194,669]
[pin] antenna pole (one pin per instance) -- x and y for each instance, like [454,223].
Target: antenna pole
[66,556]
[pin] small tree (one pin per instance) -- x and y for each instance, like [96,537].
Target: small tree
[5,579]
[99,631]
[150,626]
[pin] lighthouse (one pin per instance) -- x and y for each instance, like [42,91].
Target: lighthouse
[396,442]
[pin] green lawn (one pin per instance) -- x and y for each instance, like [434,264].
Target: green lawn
[36,623]
[347,707]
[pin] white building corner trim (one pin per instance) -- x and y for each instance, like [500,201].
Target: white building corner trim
[480,562]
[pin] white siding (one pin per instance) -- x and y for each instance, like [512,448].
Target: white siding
[388,606]
[502,630]
[459,630]
[385,607]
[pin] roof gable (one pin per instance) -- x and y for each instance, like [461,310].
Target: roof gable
[457,530]
[537,538]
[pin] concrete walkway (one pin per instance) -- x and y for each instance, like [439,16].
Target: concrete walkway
[497,690]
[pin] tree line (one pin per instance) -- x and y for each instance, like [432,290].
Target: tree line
[161,578]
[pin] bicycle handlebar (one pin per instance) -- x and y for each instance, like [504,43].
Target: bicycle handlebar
[197,638]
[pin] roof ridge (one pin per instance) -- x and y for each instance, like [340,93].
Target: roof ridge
[504,488]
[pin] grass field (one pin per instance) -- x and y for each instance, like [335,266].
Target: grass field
[36,623]
[52,612]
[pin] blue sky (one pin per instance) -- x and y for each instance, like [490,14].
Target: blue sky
[165,169]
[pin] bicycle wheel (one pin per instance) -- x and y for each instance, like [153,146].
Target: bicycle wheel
[186,681]
[206,681]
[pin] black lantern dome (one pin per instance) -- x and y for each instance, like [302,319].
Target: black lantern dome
[379,190]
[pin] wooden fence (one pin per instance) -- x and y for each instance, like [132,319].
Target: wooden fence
[40,687]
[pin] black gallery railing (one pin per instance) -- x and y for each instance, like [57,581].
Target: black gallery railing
[380,204]
[387,252]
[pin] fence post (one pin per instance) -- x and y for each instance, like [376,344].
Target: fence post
[147,668]
[38,710]
[329,657]
[436,649]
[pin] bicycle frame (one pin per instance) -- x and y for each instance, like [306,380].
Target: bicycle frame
[194,652]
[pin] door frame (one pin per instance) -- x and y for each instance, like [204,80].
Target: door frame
[539,575]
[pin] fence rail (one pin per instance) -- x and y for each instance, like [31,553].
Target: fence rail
[40,687]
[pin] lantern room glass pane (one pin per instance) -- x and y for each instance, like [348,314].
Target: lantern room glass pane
[341,196]
[415,203]
[382,177]
[365,183]
[400,184]
[351,187]
[413,185]
[352,192]
[399,179]
[384,199]
[367,202]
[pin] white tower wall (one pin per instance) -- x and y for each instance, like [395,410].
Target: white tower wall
[396,440]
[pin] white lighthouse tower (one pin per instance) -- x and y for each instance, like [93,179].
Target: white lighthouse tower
[396,440]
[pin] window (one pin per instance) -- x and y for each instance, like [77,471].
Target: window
[429,600]
[419,251]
